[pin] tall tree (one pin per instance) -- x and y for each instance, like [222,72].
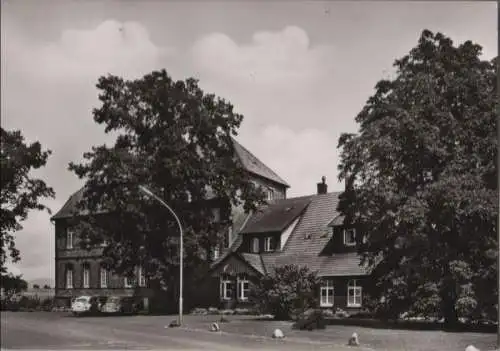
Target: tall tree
[20,192]
[421,177]
[175,139]
[13,285]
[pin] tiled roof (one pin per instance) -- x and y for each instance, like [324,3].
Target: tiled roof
[342,264]
[249,162]
[338,220]
[237,242]
[255,261]
[309,235]
[70,205]
[275,217]
[307,241]
[256,166]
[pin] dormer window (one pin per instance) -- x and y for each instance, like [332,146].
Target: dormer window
[269,244]
[255,245]
[349,237]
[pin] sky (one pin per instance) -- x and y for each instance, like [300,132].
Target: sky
[299,72]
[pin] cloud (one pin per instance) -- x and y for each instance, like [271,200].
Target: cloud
[48,91]
[302,157]
[273,60]
[284,85]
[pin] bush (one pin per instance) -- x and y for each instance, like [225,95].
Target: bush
[290,291]
[199,311]
[47,304]
[314,320]
[213,310]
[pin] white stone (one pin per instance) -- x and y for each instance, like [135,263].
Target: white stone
[278,334]
[471,348]
[353,340]
[214,327]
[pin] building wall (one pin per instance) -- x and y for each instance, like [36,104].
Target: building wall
[279,189]
[340,292]
[230,269]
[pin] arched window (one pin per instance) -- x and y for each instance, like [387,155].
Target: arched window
[354,293]
[69,276]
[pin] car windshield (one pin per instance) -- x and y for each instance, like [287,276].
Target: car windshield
[82,299]
[113,299]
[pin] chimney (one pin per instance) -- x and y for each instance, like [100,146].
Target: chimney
[322,187]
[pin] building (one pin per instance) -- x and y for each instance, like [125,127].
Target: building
[80,272]
[306,231]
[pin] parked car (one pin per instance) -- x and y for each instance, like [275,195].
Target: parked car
[120,305]
[85,305]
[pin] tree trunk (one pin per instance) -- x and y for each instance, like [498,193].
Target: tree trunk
[449,308]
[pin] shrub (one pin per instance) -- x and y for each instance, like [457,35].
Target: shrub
[199,311]
[291,290]
[47,304]
[315,320]
[213,310]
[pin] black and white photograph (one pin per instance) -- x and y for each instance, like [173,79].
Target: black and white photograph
[249,175]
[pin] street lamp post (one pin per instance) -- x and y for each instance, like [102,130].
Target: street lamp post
[181,245]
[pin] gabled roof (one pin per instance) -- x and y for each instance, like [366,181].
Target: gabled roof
[307,241]
[249,162]
[70,205]
[255,261]
[276,216]
[254,165]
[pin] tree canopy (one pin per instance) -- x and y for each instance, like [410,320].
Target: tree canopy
[13,285]
[20,192]
[289,291]
[175,139]
[421,182]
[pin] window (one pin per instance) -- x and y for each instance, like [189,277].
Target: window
[255,245]
[142,277]
[69,277]
[69,238]
[354,293]
[216,214]
[349,237]
[129,282]
[215,252]
[270,194]
[269,244]
[243,289]
[104,277]
[229,240]
[86,276]
[226,289]
[326,297]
